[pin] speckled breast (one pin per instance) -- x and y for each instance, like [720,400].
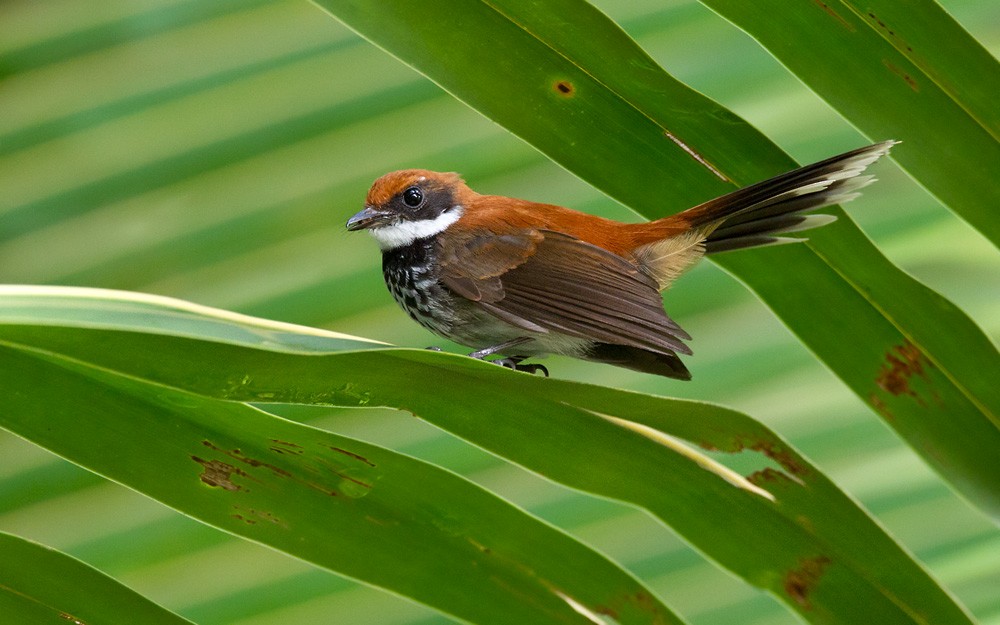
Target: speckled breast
[410,273]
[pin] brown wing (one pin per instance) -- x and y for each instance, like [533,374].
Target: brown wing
[471,266]
[545,280]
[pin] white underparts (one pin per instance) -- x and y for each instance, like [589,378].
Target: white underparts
[406,232]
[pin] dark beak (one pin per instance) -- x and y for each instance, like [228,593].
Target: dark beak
[369,218]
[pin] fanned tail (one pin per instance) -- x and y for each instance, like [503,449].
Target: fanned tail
[755,215]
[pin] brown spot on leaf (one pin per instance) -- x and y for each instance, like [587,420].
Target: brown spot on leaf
[284,447]
[347,483]
[238,455]
[606,611]
[322,489]
[351,454]
[646,601]
[901,364]
[564,88]
[829,11]
[72,619]
[218,474]
[801,581]
[341,473]
[891,33]
[284,450]
[354,480]
[766,475]
[902,74]
[251,516]
[642,601]
[781,455]
[881,407]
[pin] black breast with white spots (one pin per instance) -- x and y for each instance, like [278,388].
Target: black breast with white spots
[411,275]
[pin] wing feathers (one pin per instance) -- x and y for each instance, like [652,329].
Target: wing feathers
[561,284]
[668,365]
[598,321]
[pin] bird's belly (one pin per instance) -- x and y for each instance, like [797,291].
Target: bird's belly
[479,329]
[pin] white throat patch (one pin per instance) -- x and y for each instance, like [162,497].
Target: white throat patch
[406,232]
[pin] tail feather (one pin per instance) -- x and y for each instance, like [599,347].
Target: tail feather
[760,232]
[753,215]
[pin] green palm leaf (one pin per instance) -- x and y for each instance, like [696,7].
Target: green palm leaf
[404,526]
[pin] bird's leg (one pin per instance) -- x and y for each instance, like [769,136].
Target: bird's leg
[480,354]
[512,362]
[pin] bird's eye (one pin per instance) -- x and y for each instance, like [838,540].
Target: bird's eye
[413,197]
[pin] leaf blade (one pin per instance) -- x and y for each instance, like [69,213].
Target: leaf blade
[792,543]
[39,584]
[351,507]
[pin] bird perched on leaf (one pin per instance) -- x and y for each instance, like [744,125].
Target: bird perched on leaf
[521,279]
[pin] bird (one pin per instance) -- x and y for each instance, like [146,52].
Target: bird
[518,279]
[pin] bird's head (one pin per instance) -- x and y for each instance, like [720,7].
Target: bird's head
[412,204]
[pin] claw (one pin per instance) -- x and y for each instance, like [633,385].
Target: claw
[510,363]
[533,369]
[515,364]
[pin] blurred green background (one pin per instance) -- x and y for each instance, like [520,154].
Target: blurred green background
[213,151]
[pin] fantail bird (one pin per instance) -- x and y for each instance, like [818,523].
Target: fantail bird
[521,279]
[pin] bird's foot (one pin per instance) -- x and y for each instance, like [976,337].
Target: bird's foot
[515,364]
[511,362]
